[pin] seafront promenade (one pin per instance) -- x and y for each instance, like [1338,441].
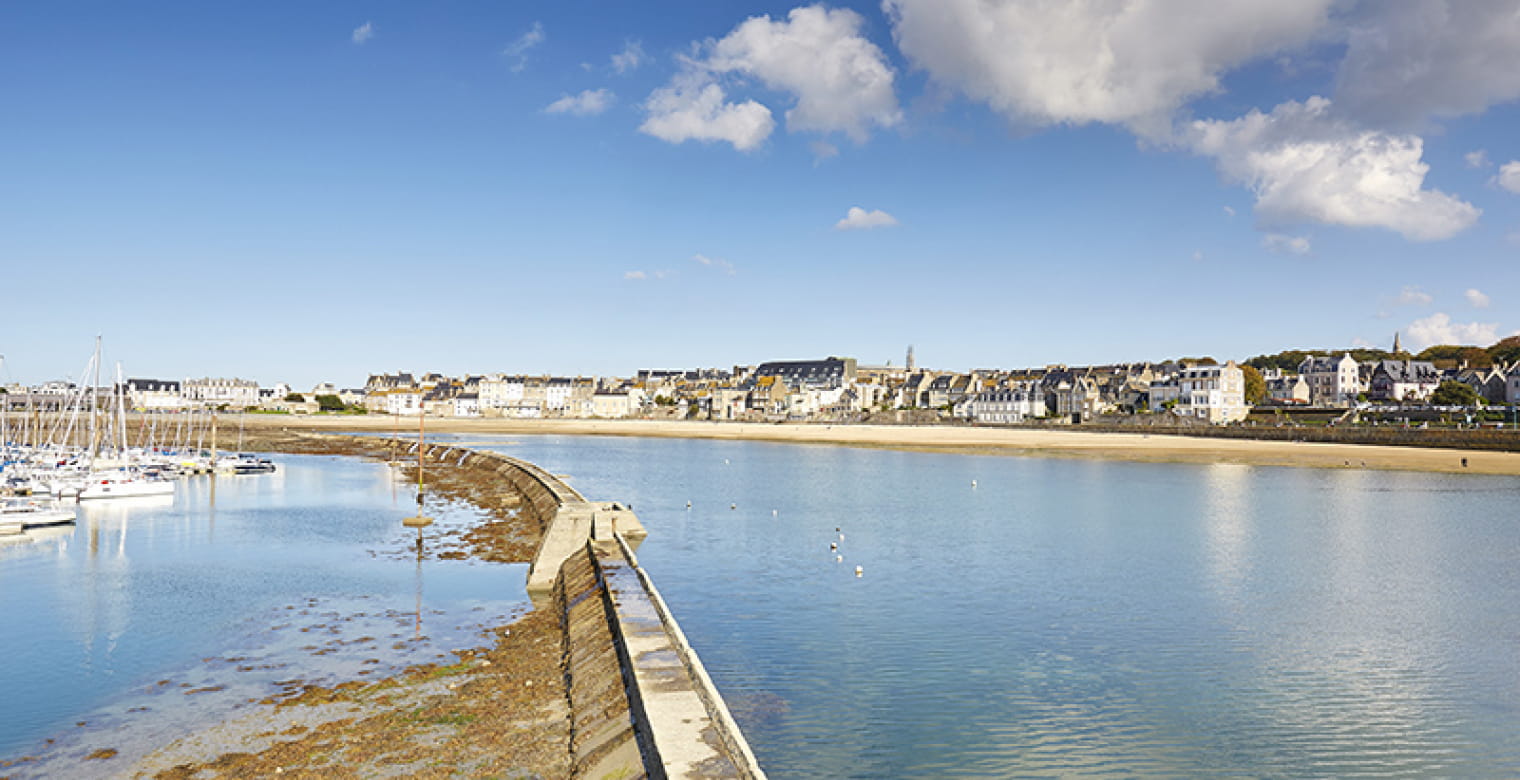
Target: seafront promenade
[1282,450]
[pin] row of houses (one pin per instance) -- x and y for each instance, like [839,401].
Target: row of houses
[1340,381]
[840,389]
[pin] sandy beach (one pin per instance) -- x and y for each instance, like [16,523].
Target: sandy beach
[1157,448]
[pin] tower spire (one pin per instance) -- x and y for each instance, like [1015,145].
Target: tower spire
[911,364]
[1396,348]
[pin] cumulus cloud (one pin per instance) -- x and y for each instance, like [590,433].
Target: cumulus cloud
[1413,296]
[517,51]
[1476,299]
[1407,62]
[693,109]
[1509,176]
[840,81]
[363,32]
[630,58]
[1131,63]
[1477,159]
[1306,165]
[1278,242]
[858,218]
[714,262]
[588,103]
[1439,329]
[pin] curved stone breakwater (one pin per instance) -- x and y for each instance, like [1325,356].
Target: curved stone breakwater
[641,704]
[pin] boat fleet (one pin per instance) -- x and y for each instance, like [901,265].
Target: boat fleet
[88,453]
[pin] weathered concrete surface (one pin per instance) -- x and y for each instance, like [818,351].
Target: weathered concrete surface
[641,703]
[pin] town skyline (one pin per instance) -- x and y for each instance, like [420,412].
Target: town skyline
[322,191]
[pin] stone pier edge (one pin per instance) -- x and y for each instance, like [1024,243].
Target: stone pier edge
[727,728]
[588,522]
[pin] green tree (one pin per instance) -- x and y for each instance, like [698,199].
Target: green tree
[1454,393]
[295,397]
[1256,386]
[330,403]
[1505,350]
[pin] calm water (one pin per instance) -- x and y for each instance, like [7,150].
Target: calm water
[151,617]
[1073,617]
[1063,617]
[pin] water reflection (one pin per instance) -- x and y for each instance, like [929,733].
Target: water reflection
[306,573]
[1082,617]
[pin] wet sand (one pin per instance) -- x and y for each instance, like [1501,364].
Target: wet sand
[1157,448]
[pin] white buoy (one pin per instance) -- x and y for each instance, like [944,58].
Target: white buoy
[688,504]
[841,537]
[733,506]
[725,461]
[839,559]
[973,483]
[773,513]
[860,571]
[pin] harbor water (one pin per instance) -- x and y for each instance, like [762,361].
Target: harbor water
[1012,616]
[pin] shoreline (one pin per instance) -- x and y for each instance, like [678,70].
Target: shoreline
[1137,447]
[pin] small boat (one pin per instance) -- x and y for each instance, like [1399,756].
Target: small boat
[124,485]
[20,515]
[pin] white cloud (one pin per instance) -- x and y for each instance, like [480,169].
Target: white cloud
[691,109]
[858,218]
[1477,159]
[1362,343]
[639,276]
[363,32]
[823,150]
[1476,299]
[517,51]
[1509,176]
[588,103]
[1439,329]
[1197,255]
[1413,296]
[1229,212]
[1305,165]
[715,262]
[1278,242]
[630,58]
[1408,62]
[840,81]
[1131,63]
[635,275]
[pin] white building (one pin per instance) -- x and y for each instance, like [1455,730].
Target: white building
[1213,393]
[403,402]
[499,391]
[467,405]
[154,394]
[1333,381]
[231,393]
[1006,406]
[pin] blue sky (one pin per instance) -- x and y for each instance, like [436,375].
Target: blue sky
[310,192]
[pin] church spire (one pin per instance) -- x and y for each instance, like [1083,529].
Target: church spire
[1396,348]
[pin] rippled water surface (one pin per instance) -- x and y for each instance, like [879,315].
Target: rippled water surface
[1070,617]
[1062,617]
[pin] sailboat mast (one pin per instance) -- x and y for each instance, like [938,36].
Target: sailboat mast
[95,406]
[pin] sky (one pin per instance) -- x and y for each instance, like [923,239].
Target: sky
[307,192]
